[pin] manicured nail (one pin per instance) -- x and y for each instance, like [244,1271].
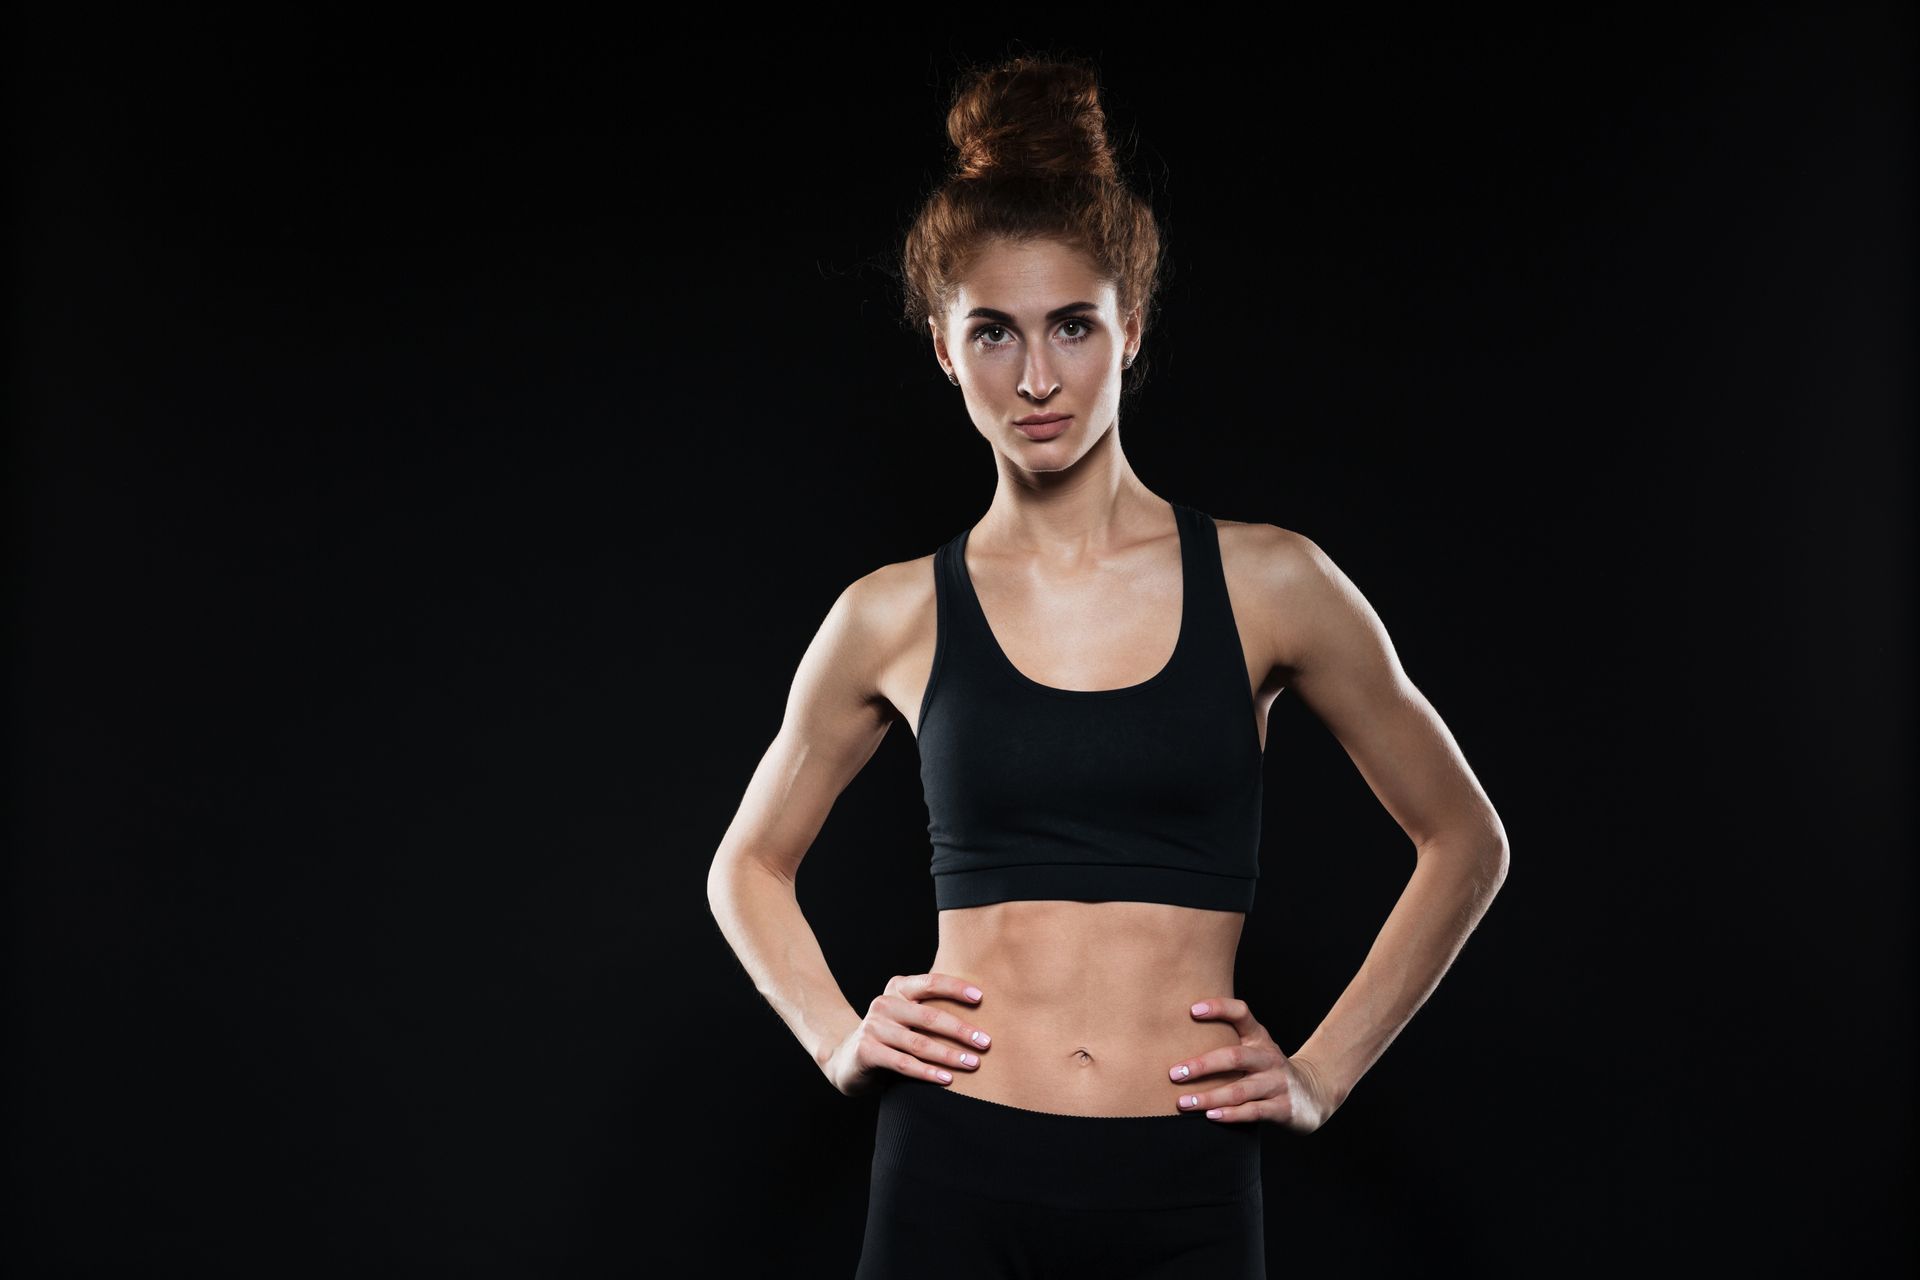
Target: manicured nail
[982,1039]
[973,993]
[1181,1072]
[969,1059]
[1189,1101]
[1214,1114]
[1201,1007]
[946,1077]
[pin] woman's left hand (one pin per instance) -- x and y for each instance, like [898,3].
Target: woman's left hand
[1284,1090]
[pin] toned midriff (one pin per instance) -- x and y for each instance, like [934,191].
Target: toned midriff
[1089,1003]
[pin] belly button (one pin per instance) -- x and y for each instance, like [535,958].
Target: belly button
[1084,1058]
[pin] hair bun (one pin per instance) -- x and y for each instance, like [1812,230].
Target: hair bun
[1031,114]
[1035,163]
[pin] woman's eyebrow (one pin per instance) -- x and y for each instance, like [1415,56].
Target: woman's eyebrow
[988,313]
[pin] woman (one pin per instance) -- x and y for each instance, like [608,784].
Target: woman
[1088,670]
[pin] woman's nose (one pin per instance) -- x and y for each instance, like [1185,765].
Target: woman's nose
[1039,381]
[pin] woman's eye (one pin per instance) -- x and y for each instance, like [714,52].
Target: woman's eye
[985,329]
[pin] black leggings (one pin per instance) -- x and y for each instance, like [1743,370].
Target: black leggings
[967,1187]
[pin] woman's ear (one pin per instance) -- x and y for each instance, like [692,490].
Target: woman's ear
[940,349]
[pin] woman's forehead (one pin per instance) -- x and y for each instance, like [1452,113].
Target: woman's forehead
[1031,279]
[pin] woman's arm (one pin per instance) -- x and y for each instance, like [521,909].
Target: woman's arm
[835,720]
[1331,649]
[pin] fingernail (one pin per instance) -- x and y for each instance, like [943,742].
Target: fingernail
[973,993]
[1214,1114]
[1201,1007]
[946,1077]
[969,1059]
[1189,1101]
[1181,1072]
[982,1039]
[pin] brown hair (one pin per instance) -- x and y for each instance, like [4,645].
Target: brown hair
[1034,160]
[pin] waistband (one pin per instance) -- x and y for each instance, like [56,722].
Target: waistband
[927,1133]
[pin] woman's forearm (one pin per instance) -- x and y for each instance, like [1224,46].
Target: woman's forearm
[760,915]
[1453,881]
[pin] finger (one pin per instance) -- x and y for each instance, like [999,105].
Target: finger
[1228,1009]
[1277,1108]
[908,1065]
[1212,1062]
[874,1052]
[949,1025]
[925,1047]
[912,1012]
[1229,1098]
[877,1052]
[1233,1057]
[921,985]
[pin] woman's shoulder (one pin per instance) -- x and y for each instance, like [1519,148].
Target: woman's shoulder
[889,601]
[873,622]
[1270,555]
[1285,583]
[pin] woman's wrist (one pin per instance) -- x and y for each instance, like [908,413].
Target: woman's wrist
[835,1035]
[1330,1091]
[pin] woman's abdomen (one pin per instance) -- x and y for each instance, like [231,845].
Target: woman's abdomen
[1088,1003]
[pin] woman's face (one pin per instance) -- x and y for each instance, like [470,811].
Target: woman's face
[1033,330]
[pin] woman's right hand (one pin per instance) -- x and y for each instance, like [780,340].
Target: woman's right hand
[899,1034]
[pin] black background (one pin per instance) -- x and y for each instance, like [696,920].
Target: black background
[431,450]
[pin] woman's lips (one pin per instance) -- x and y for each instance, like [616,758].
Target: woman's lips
[1043,430]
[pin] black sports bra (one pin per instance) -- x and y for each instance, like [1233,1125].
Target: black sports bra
[1148,793]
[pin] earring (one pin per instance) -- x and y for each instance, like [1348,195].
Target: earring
[1127,363]
[950,378]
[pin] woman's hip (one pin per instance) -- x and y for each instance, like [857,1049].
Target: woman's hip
[931,1135]
[965,1187]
